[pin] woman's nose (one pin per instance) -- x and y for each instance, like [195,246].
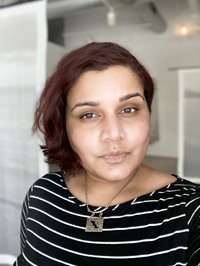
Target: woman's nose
[112,129]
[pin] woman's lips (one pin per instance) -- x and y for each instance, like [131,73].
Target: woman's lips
[114,157]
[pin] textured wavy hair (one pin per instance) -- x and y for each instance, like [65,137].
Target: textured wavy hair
[50,113]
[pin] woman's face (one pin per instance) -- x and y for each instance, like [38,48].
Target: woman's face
[108,123]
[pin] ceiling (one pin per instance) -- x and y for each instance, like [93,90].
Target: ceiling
[159,13]
[5,3]
[169,8]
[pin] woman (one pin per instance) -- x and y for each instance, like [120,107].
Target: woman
[105,207]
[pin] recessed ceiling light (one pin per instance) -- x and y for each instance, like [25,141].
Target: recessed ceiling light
[184,29]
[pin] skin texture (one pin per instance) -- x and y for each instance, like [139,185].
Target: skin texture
[108,126]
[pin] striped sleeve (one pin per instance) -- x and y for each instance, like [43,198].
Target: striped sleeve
[193,213]
[24,216]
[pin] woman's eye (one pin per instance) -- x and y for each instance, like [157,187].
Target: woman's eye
[128,110]
[88,116]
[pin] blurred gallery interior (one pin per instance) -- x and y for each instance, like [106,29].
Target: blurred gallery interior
[163,34]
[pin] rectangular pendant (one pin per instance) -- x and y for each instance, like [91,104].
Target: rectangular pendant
[94,224]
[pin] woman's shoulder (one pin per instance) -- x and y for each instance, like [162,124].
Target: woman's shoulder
[52,181]
[187,186]
[172,184]
[51,177]
[190,192]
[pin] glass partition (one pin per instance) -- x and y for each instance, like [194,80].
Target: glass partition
[189,124]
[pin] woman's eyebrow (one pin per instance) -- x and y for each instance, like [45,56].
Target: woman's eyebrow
[132,95]
[89,103]
[121,99]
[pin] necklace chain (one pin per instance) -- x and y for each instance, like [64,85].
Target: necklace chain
[109,203]
[95,220]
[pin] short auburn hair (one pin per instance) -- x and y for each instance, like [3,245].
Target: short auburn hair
[50,113]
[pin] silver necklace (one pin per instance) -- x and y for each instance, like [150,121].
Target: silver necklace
[95,220]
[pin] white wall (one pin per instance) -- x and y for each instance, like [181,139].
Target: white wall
[54,54]
[22,68]
[158,52]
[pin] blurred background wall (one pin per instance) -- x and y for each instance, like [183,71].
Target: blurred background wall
[22,75]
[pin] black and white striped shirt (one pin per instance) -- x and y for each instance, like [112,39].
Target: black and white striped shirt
[157,229]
